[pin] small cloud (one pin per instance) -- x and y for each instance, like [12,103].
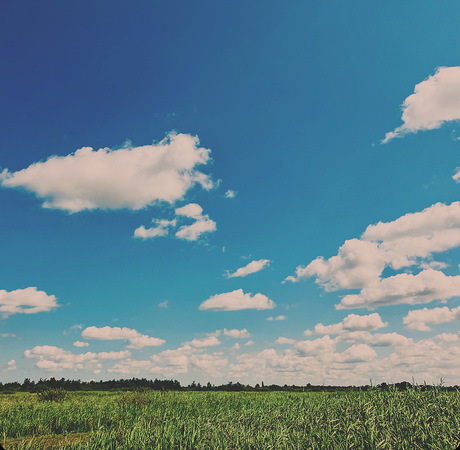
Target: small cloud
[237,333]
[135,339]
[235,301]
[26,301]
[81,344]
[8,335]
[161,229]
[73,328]
[230,194]
[252,267]
[163,304]
[285,341]
[11,365]
[249,343]
[276,318]
[202,224]
[209,341]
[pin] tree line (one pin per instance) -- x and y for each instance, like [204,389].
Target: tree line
[173,385]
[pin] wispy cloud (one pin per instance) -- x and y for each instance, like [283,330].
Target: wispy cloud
[252,267]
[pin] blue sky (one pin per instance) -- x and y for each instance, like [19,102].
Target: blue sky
[230,191]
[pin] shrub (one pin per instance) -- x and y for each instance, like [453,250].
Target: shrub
[52,395]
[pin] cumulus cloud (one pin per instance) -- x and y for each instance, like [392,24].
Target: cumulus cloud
[425,287]
[161,229]
[403,242]
[81,344]
[237,300]
[252,267]
[434,102]
[26,301]
[318,346]
[192,210]
[419,318]
[281,317]
[163,304]
[410,240]
[357,264]
[195,230]
[175,362]
[202,224]
[129,177]
[135,339]
[357,353]
[230,194]
[237,333]
[352,322]
[55,358]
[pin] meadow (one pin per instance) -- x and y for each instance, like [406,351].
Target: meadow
[373,419]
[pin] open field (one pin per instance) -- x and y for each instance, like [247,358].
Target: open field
[375,419]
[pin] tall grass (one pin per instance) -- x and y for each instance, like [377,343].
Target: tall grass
[412,419]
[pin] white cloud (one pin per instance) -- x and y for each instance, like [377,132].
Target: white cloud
[11,365]
[352,322]
[434,102]
[357,264]
[249,343]
[318,346]
[192,210]
[448,337]
[419,318]
[130,177]
[388,339]
[281,317]
[209,341]
[134,338]
[163,304]
[26,301]
[357,353]
[202,224]
[237,333]
[230,194]
[425,287]
[195,230]
[410,240]
[284,340]
[237,300]
[55,358]
[252,267]
[161,229]
[8,335]
[81,344]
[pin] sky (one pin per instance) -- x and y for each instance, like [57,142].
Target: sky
[230,191]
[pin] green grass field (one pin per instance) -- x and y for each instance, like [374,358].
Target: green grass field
[411,419]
